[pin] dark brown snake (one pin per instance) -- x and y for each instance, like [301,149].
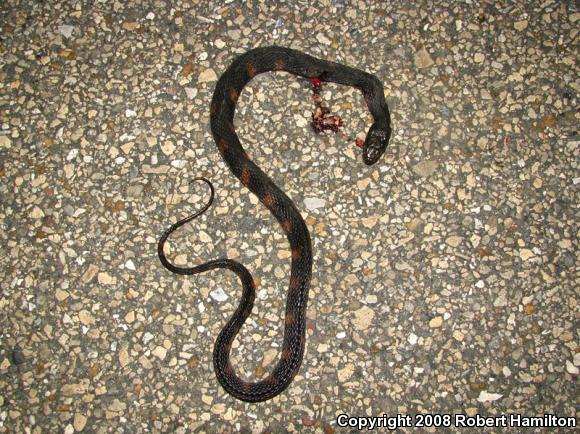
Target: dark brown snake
[223,105]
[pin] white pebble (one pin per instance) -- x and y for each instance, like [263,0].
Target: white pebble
[371,299]
[323,39]
[488,397]
[571,368]
[190,92]
[65,30]
[500,301]
[300,120]
[313,203]
[218,295]
[180,164]
[72,154]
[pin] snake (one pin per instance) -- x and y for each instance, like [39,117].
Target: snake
[227,91]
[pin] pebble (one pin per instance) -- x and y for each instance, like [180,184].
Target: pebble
[207,75]
[218,408]
[423,59]
[323,39]
[500,301]
[218,295]
[105,278]
[345,373]
[66,30]
[74,388]
[457,335]
[123,357]
[117,406]
[425,168]
[85,317]
[79,422]
[363,318]
[37,213]
[488,397]
[371,299]
[61,295]
[526,254]
[314,203]
[159,352]
[454,241]
[436,322]
[571,368]
[167,147]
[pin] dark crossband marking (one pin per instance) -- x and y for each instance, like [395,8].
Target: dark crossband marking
[245,176]
[287,225]
[251,70]
[268,200]
[222,144]
[233,95]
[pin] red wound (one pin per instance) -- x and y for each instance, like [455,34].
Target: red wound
[316,81]
[322,120]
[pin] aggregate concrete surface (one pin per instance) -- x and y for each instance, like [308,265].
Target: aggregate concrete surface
[445,276]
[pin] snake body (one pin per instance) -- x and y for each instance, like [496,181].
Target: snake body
[227,91]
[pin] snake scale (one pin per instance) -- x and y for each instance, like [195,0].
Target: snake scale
[223,104]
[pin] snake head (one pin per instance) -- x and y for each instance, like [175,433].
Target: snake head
[376,143]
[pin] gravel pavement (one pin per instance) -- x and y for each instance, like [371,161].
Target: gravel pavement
[445,277]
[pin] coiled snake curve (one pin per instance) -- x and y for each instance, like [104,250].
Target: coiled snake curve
[227,91]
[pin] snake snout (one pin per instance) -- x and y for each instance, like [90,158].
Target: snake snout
[375,144]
